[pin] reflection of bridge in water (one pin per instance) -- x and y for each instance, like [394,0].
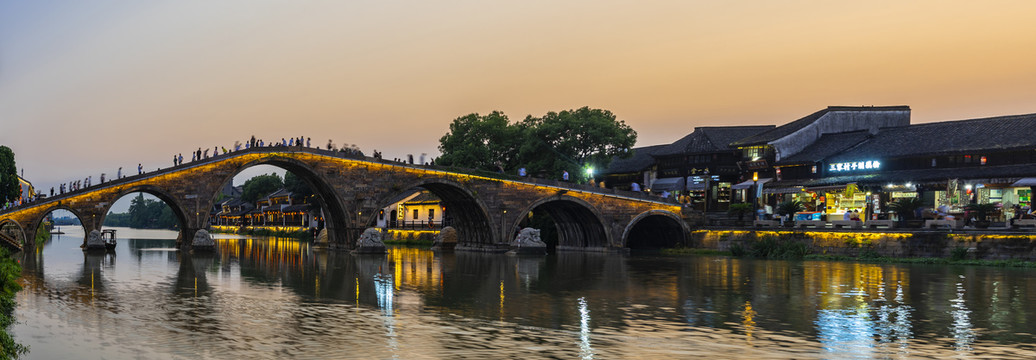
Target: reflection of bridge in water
[486,211]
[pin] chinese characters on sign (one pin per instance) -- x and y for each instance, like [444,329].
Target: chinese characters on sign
[854,166]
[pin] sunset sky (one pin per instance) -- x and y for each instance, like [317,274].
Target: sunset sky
[88,86]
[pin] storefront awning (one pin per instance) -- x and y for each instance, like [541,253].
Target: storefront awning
[695,186]
[1029,181]
[668,184]
[749,183]
[782,190]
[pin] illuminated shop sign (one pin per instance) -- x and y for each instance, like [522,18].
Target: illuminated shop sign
[855,166]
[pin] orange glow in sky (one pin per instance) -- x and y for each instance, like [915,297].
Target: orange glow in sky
[88,86]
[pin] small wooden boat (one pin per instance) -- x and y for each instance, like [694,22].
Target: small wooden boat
[108,237]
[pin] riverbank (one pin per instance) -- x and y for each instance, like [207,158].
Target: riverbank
[924,247]
[10,271]
[303,234]
[969,245]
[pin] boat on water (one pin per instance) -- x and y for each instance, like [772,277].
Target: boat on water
[108,237]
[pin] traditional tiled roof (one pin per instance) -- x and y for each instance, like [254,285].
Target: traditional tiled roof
[827,145]
[789,128]
[712,139]
[279,193]
[640,160]
[424,197]
[948,137]
[293,208]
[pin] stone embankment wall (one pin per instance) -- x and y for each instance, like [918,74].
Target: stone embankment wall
[393,235]
[980,245]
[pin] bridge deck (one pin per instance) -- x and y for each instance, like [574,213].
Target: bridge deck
[560,185]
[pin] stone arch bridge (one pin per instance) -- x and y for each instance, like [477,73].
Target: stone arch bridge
[486,211]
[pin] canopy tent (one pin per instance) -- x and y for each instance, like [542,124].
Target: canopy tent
[668,184]
[1029,181]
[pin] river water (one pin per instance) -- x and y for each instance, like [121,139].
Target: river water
[280,298]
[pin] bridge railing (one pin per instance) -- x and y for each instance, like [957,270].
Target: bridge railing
[346,155]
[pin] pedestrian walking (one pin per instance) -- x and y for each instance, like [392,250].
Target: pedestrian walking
[291,142]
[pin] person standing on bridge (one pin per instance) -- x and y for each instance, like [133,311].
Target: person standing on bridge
[119,175]
[102,178]
[51,191]
[140,169]
[308,144]
[564,175]
[215,151]
[252,141]
[328,144]
[180,158]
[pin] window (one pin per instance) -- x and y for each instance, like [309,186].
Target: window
[431,214]
[754,152]
[415,214]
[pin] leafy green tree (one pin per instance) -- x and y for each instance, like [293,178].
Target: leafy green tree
[574,140]
[145,214]
[260,186]
[485,142]
[296,185]
[10,190]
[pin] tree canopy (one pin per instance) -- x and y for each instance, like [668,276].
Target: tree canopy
[296,186]
[570,140]
[485,142]
[10,190]
[144,213]
[260,186]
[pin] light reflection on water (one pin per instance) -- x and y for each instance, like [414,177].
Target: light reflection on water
[272,298]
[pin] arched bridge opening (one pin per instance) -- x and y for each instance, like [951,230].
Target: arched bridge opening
[577,225]
[12,232]
[147,207]
[433,205]
[655,230]
[255,195]
[58,220]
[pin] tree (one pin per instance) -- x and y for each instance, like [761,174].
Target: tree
[260,186]
[578,139]
[10,189]
[485,142]
[296,185]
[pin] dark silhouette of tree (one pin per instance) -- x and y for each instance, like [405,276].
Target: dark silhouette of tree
[485,142]
[10,190]
[260,186]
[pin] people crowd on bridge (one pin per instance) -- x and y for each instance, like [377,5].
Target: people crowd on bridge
[350,150]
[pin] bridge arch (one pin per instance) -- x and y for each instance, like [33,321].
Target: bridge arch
[55,207]
[580,225]
[178,209]
[470,215]
[655,229]
[337,217]
[15,230]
